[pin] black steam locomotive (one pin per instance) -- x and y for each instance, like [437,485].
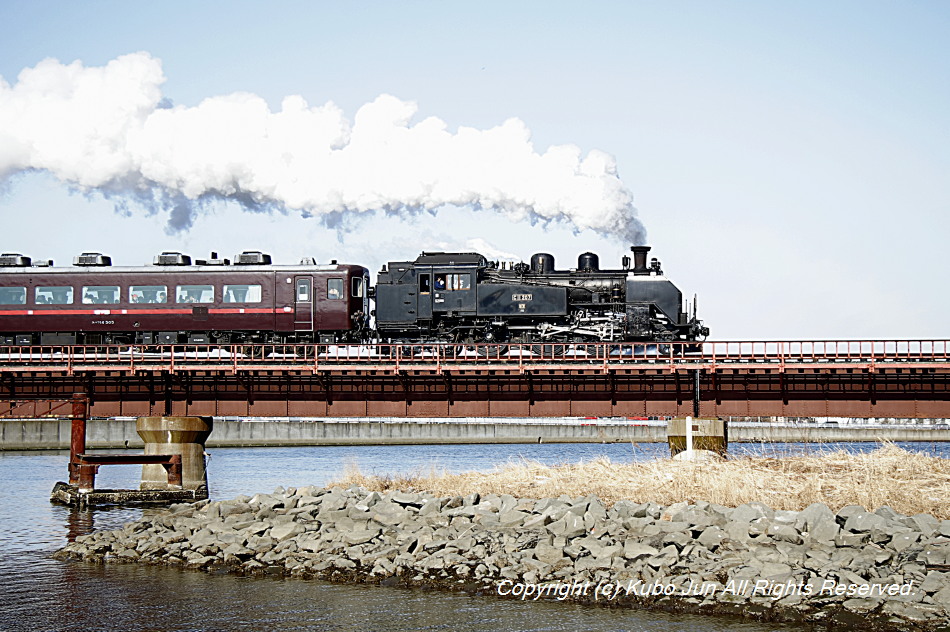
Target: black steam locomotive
[463,297]
[439,297]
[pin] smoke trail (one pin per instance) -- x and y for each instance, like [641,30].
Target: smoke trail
[108,130]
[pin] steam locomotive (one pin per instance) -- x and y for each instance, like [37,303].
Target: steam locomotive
[463,297]
[438,297]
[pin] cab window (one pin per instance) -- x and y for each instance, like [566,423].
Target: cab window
[335,289]
[455,282]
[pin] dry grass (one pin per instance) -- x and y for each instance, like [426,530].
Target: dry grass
[909,483]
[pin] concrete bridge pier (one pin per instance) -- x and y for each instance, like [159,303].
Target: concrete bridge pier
[176,435]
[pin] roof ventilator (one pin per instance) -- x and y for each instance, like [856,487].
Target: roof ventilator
[169,258]
[92,259]
[252,258]
[14,259]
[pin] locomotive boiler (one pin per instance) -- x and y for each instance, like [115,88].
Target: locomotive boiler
[464,297]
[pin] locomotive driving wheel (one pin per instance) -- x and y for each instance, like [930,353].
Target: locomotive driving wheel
[548,350]
[253,352]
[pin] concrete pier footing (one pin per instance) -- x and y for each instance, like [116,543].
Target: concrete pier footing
[175,435]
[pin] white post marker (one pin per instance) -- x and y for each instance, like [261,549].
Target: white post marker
[689,437]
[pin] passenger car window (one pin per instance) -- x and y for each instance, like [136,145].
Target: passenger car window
[54,295]
[12,296]
[195,294]
[148,294]
[100,294]
[241,294]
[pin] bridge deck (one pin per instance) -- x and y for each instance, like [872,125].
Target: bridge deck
[707,356]
[878,378]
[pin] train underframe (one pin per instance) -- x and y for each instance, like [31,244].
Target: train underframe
[581,326]
[219,337]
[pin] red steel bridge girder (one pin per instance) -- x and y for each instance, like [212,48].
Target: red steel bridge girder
[908,379]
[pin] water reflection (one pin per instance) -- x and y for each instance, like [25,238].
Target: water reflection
[79,522]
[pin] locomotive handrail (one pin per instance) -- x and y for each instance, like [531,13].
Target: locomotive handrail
[397,357]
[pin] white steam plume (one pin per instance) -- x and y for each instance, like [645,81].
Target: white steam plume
[108,130]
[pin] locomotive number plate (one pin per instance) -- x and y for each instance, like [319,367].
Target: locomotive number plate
[520,297]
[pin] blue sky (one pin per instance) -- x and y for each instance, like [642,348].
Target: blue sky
[789,161]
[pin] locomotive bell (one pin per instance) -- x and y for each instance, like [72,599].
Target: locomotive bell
[588,262]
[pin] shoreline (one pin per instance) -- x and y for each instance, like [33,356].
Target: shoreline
[53,434]
[848,568]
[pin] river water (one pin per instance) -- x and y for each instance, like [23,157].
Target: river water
[40,593]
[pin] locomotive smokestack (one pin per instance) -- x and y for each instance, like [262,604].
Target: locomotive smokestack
[640,259]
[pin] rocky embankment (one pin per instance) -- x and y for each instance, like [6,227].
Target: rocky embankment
[881,569]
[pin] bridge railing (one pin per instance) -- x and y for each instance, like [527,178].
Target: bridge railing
[805,351]
[237,357]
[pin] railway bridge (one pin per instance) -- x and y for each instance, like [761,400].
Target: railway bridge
[847,378]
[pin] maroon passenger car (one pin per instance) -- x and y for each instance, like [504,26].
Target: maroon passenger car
[247,300]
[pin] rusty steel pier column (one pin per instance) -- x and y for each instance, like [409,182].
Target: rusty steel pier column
[77,437]
[176,435]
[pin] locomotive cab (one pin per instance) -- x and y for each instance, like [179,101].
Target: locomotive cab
[428,297]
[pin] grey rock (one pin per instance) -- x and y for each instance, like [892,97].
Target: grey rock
[864,522]
[666,557]
[671,527]
[511,518]
[846,512]
[759,526]
[548,554]
[750,511]
[678,538]
[571,525]
[633,550]
[359,536]
[903,541]
[712,537]
[784,533]
[935,580]
[286,530]
[674,513]
[925,524]
[851,539]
